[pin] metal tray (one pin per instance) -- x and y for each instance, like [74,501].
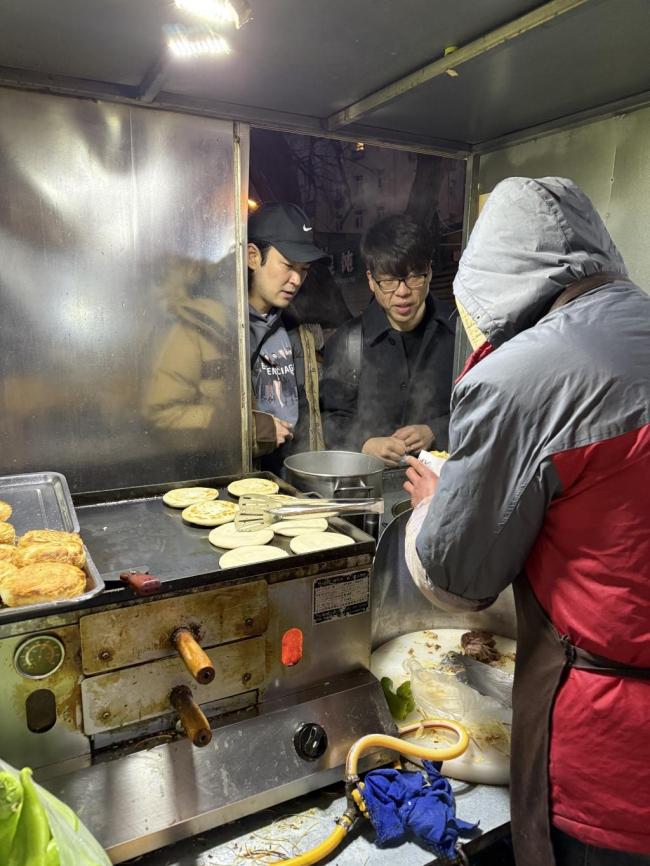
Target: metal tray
[42,500]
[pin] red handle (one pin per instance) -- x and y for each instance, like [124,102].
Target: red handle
[141,584]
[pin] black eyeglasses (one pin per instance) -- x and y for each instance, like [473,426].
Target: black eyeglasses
[392,284]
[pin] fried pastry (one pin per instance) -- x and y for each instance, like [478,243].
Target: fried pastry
[57,536]
[7,533]
[48,551]
[5,510]
[182,497]
[41,583]
[7,553]
[250,486]
[7,570]
[210,513]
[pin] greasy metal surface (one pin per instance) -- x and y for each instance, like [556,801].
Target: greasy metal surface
[398,607]
[155,797]
[138,693]
[41,500]
[610,160]
[63,742]
[295,827]
[118,244]
[128,533]
[120,637]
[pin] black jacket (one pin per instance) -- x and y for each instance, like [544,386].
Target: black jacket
[386,396]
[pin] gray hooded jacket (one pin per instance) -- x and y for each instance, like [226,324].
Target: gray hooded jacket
[556,381]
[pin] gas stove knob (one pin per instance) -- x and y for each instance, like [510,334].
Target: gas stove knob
[310,741]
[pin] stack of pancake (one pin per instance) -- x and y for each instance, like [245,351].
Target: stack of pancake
[41,566]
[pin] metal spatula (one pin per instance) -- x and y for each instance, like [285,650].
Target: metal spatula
[256,512]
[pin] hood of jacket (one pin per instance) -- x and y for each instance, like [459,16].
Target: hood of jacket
[532,239]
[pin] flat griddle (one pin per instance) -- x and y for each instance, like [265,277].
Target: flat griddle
[134,530]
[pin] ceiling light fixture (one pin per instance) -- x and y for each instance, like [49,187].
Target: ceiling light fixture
[218,12]
[183,42]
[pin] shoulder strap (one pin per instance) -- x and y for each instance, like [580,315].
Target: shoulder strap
[586,284]
[274,327]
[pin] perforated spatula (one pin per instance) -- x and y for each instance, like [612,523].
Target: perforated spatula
[256,512]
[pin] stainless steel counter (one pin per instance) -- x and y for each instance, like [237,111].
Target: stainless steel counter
[295,827]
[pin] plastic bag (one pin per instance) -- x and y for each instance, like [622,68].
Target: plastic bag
[75,844]
[442,695]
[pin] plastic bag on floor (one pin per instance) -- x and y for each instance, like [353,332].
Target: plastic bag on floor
[36,827]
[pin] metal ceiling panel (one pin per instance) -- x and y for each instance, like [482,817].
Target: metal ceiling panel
[592,56]
[102,40]
[313,58]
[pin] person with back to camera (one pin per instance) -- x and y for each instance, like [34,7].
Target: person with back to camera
[387,374]
[546,488]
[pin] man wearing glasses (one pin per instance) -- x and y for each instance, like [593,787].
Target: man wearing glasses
[283,355]
[388,373]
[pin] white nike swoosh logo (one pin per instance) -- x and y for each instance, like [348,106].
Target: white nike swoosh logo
[306,228]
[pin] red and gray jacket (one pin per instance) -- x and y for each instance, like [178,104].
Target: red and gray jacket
[549,476]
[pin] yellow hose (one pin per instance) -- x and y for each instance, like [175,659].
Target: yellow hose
[345,822]
[410,748]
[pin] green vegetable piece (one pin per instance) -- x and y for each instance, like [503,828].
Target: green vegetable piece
[33,831]
[400,702]
[52,854]
[11,804]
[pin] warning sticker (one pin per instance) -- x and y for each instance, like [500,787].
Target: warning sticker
[341,596]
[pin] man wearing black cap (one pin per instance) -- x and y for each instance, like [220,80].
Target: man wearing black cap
[283,355]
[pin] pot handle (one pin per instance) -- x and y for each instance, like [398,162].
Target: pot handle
[361,491]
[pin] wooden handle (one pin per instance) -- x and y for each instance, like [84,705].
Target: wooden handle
[195,659]
[191,715]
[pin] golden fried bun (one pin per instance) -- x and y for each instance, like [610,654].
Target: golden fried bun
[41,583]
[7,553]
[7,533]
[7,569]
[56,536]
[5,510]
[28,554]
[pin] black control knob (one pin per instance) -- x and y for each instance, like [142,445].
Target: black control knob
[310,741]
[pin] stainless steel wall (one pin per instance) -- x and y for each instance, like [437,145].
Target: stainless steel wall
[610,160]
[120,311]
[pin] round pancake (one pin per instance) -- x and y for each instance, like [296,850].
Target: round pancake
[43,582]
[295,527]
[7,533]
[7,553]
[7,570]
[210,513]
[55,536]
[48,551]
[250,555]
[313,541]
[182,497]
[229,537]
[5,510]
[251,486]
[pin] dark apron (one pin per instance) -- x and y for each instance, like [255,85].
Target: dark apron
[544,658]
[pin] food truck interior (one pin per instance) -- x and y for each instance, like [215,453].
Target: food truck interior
[129,161]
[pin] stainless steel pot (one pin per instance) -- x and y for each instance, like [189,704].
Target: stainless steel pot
[335,474]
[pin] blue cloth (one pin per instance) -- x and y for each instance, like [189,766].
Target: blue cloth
[400,803]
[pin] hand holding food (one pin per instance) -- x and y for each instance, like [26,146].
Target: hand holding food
[422,482]
[390,449]
[416,437]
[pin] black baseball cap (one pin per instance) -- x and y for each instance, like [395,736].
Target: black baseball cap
[287,228]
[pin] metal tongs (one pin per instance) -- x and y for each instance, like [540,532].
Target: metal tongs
[258,512]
